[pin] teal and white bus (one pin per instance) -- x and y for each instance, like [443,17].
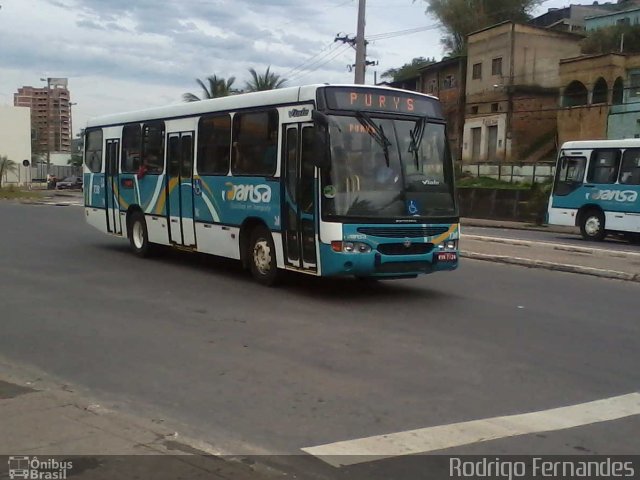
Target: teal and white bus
[597,187]
[324,180]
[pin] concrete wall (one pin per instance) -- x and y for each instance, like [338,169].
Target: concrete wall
[583,123]
[15,141]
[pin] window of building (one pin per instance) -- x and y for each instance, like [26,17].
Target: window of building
[431,88]
[449,82]
[131,143]
[255,143]
[93,153]
[474,110]
[634,85]
[495,107]
[600,91]
[496,66]
[624,21]
[630,169]
[214,144]
[153,146]
[477,71]
[604,166]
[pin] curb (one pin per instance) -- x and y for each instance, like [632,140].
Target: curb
[559,267]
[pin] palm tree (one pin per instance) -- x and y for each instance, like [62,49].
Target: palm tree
[6,166]
[218,87]
[268,81]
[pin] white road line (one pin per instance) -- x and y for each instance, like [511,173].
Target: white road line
[430,439]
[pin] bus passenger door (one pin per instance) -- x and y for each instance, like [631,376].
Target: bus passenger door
[299,198]
[111,187]
[179,189]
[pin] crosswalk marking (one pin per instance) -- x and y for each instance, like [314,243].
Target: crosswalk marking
[430,439]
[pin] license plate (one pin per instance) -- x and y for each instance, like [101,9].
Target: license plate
[447,257]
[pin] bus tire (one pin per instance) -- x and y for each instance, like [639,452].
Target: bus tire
[262,257]
[138,236]
[592,225]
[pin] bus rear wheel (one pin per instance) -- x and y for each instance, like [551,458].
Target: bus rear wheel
[592,226]
[138,236]
[262,257]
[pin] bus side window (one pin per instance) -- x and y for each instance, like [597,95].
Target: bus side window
[604,166]
[255,143]
[630,170]
[131,146]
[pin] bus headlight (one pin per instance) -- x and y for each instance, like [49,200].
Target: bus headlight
[350,247]
[448,245]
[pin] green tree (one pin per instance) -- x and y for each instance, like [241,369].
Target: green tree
[610,39]
[461,17]
[217,87]
[75,160]
[267,81]
[6,166]
[408,70]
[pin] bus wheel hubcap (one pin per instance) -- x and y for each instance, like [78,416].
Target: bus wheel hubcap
[592,225]
[262,256]
[138,235]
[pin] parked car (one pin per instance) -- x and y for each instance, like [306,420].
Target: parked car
[69,183]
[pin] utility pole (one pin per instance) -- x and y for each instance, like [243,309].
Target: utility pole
[361,52]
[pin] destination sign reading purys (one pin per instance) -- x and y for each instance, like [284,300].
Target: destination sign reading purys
[379,101]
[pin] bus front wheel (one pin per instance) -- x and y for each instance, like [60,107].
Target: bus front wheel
[262,257]
[592,225]
[138,236]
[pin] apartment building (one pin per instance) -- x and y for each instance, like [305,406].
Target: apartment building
[512,90]
[50,115]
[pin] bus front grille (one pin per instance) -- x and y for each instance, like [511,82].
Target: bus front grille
[401,249]
[403,232]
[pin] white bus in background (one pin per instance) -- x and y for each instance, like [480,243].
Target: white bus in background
[597,188]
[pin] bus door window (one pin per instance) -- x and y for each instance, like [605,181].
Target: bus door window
[307,196]
[570,174]
[604,166]
[630,170]
[291,195]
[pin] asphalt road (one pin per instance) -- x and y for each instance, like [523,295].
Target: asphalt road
[611,242]
[193,340]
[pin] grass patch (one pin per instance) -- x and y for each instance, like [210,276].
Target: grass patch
[488,182]
[11,193]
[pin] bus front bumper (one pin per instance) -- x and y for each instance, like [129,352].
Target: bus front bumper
[376,264]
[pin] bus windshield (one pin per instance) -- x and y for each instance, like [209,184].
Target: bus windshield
[384,168]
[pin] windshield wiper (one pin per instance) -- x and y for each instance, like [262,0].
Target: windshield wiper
[416,138]
[376,131]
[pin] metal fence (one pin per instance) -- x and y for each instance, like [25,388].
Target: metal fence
[540,172]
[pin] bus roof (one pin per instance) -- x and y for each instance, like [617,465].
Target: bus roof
[306,93]
[590,144]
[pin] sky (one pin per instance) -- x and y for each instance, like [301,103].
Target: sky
[124,55]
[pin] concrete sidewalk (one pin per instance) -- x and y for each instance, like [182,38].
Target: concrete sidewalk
[600,262]
[49,422]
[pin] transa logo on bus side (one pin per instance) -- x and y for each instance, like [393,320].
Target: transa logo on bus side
[243,193]
[616,195]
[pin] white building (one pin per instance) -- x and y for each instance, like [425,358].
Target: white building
[15,141]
